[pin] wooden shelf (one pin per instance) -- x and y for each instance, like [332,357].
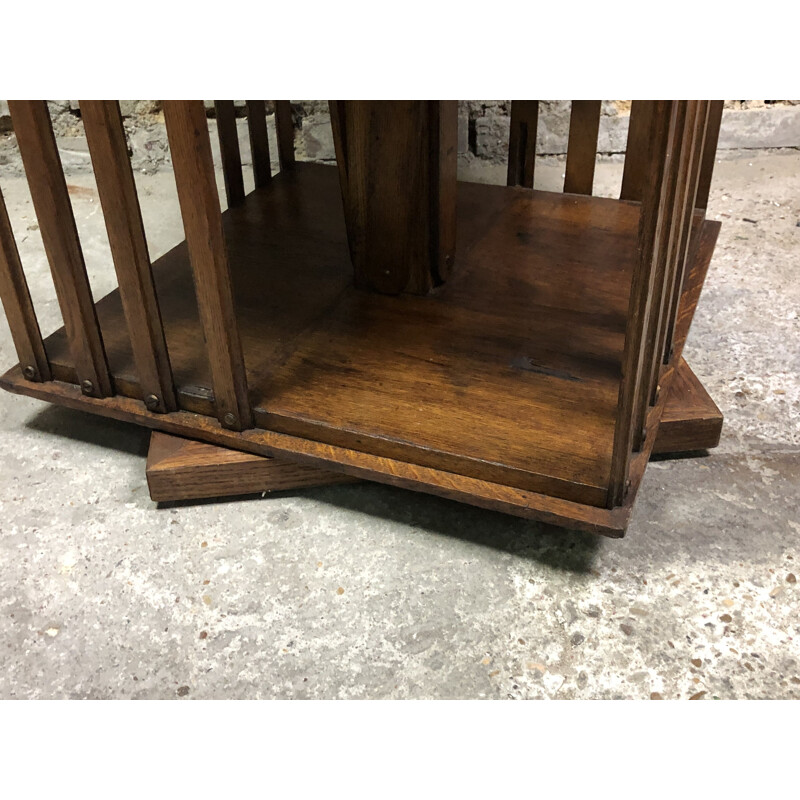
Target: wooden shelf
[502,346]
[509,373]
[185,469]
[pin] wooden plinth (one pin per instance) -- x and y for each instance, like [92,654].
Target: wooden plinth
[499,389]
[184,469]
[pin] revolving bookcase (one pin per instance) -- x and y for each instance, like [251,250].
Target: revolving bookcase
[516,349]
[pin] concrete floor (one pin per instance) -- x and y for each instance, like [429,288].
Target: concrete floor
[366,591]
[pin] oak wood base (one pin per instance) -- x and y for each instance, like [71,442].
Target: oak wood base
[185,469]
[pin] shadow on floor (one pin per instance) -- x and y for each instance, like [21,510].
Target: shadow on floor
[124,437]
[559,548]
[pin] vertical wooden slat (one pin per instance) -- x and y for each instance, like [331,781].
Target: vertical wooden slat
[709,152]
[634,173]
[117,189]
[229,150]
[584,125]
[18,306]
[701,140]
[443,157]
[676,168]
[259,141]
[651,220]
[48,189]
[202,222]
[284,128]
[522,142]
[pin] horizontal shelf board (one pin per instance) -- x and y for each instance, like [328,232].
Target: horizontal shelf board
[509,373]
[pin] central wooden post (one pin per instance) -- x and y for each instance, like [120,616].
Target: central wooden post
[397,168]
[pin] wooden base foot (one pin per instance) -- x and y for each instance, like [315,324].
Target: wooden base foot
[184,469]
[691,419]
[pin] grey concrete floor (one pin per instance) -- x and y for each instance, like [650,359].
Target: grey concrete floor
[366,591]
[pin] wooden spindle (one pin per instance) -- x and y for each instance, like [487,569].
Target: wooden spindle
[259,141]
[37,146]
[522,142]
[18,306]
[284,128]
[117,189]
[709,152]
[229,151]
[584,126]
[202,222]
[704,119]
[651,221]
[676,166]
[635,169]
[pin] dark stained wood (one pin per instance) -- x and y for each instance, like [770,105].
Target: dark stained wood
[490,375]
[443,155]
[48,189]
[229,151]
[584,125]
[502,388]
[709,152]
[398,180]
[18,306]
[691,420]
[522,142]
[183,469]
[259,141]
[632,384]
[202,222]
[486,494]
[676,169]
[634,174]
[284,129]
[117,190]
[688,230]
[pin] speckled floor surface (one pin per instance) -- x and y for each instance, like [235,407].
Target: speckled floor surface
[366,591]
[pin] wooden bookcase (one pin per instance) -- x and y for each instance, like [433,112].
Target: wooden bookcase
[500,345]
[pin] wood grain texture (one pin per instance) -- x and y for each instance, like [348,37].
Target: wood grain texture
[183,469]
[675,172]
[492,375]
[117,190]
[197,193]
[397,162]
[691,419]
[358,464]
[639,306]
[50,197]
[584,125]
[229,151]
[709,152]
[284,129]
[18,306]
[259,141]
[635,169]
[688,228]
[522,142]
